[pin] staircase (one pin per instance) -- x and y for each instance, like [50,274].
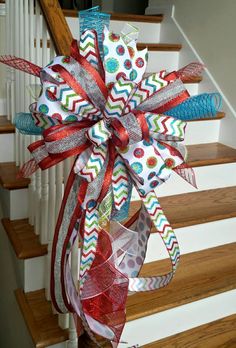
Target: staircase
[198,308]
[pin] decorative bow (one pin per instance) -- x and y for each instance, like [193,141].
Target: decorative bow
[112,119]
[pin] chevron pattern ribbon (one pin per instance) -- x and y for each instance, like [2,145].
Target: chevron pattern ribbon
[115,121]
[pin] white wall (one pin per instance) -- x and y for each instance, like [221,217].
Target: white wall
[210,27]
[2,51]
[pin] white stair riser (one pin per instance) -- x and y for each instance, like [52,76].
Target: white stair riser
[192,88]
[194,238]
[191,239]
[32,273]
[162,60]
[15,203]
[179,319]
[208,177]
[201,132]
[7,147]
[148,32]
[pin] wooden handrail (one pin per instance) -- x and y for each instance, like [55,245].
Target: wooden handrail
[57,26]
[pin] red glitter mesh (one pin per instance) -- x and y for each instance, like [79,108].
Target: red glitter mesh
[21,64]
[109,305]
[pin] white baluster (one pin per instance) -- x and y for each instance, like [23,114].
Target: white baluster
[37,224]
[26,76]
[32,185]
[38,61]
[44,199]
[21,75]
[8,76]
[73,337]
[17,79]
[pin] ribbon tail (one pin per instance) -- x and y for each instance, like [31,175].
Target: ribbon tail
[21,64]
[187,173]
[69,215]
[28,169]
[168,236]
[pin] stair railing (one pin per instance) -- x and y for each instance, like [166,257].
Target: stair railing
[36,31]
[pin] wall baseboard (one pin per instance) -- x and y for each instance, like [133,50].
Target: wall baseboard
[210,76]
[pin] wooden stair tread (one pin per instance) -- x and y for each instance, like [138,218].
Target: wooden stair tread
[207,273]
[217,334]
[211,153]
[198,155]
[8,177]
[218,116]
[41,322]
[206,206]
[123,17]
[6,126]
[159,46]
[200,274]
[25,242]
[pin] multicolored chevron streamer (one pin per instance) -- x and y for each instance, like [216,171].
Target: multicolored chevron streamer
[120,183]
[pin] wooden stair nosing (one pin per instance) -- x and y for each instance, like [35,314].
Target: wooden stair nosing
[159,46]
[9,179]
[41,322]
[6,127]
[123,17]
[206,273]
[24,241]
[218,116]
[210,154]
[217,334]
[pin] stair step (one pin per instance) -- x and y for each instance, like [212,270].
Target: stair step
[41,322]
[159,46]
[217,334]
[210,154]
[123,17]
[9,179]
[218,116]
[6,126]
[207,273]
[206,206]
[198,155]
[24,241]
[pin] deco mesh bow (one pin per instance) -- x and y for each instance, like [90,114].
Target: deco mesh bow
[124,129]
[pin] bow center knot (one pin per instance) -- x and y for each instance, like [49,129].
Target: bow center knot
[126,130]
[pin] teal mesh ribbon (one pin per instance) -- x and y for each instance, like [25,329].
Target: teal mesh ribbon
[197,107]
[93,19]
[24,122]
